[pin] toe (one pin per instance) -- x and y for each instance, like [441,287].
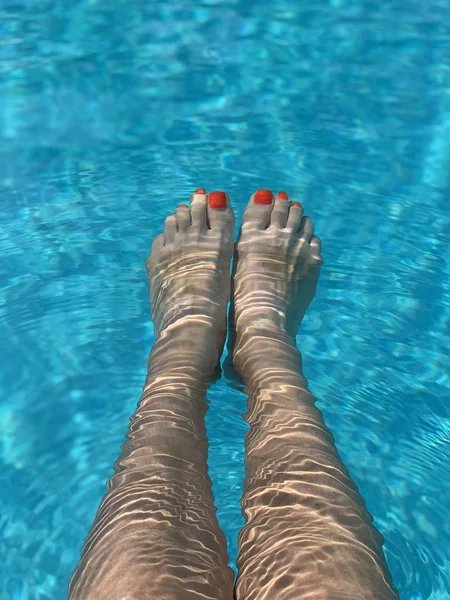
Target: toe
[219,211]
[316,249]
[155,252]
[280,211]
[158,243]
[199,201]
[258,211]
[170,229]
[306,229]
[183,215]
[295,216]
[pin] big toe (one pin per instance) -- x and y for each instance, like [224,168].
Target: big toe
[259,209]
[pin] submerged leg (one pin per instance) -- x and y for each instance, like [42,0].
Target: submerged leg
[308,533]
[156,535]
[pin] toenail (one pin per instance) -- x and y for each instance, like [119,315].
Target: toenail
[283,196]
[200,191]
[263,197]
[217,200]
[183,206]
[297,204]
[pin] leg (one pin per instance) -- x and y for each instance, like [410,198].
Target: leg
[308,533]
[156,535]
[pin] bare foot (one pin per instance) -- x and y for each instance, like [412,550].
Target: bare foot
[156,534]
[189,266]
[277,264]
[308,533]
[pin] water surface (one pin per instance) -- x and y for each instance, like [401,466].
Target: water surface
[111,113]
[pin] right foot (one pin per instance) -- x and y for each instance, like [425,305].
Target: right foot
[277,263]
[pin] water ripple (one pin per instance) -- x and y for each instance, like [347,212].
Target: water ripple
[111,115]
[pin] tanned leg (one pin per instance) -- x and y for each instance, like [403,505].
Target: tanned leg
[308,534]
[156,536]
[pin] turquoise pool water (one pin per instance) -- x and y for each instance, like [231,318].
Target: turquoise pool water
[111,114]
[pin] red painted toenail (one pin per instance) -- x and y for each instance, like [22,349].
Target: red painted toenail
[200,191]
[183,206]
[297,204]
[217,200]
[263,197]
[283,196]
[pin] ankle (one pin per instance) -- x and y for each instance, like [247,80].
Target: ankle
[189,342]
[263,345]
[266,317]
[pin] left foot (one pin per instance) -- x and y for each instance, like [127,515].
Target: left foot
[189,266]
